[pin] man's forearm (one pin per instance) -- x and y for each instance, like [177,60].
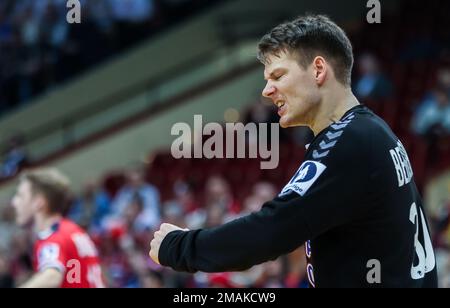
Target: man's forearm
[49,278]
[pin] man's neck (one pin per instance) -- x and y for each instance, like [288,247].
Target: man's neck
[334,106]
[43,223]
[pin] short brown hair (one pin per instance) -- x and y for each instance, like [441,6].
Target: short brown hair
[310,36]
[53,185]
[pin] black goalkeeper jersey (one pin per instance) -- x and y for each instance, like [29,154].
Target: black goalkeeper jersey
[353,202]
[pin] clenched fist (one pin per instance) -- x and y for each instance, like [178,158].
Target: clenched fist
[159,238]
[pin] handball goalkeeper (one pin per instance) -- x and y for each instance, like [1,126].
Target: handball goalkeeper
[353,201]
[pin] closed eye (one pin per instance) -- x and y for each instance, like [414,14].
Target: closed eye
[276,78]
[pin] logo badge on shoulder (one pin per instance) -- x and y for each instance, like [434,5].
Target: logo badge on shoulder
[304,178]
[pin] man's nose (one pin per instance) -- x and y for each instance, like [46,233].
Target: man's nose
[269,90]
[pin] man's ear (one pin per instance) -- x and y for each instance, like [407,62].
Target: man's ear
[320,68]
[39,202]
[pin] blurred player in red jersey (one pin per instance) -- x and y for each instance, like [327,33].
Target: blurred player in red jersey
[64,255]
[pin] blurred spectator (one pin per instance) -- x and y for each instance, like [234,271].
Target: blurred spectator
[20,252]
[100,11]
[261,193]
[14,158]
[173,214]
[133,245]
[132,19]
[252,204]
[133,11]
[444,278]
[7,226]
[118,271]
[151,280]
[432,117]
[185,197]
[6,278]
[372,84]
[273,274]
[264,111]
[296,276]
[138,193]
[265,191]
[443,79]
[216,215]
[7,230]
[219,205]
[91,207]
[218,192]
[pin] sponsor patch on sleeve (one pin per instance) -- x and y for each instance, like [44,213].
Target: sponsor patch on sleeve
[49,256]
[304,178]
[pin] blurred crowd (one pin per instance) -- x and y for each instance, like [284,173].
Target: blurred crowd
[432,115]
[39,49]
[13,158]
[122,226]
[440,223]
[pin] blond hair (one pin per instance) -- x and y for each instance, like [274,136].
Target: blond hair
[52,184]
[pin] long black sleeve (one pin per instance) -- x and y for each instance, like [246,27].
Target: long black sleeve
[277,229]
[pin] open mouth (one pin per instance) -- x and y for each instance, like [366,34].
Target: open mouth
[280,104]
[281,108]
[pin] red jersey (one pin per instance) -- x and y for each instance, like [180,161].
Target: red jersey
[69,249]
